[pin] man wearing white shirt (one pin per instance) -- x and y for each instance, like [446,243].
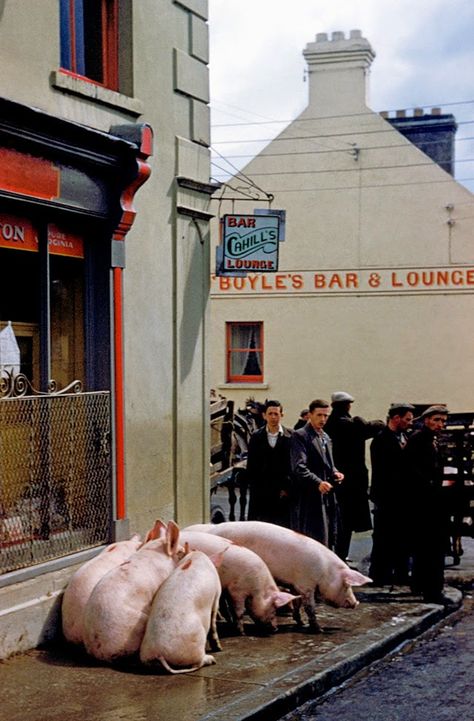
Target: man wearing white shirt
[268,468]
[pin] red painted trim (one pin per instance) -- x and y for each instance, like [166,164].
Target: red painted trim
[119,394]
[110,44]
[126,200]
[72,26]
[123,226]
[28,175]
[84,78]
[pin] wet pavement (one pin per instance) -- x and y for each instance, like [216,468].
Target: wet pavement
[255,677]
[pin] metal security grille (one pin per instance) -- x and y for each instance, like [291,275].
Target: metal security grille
[55,475]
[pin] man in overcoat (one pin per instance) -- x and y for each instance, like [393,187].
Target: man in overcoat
[389,490]
[313,505]
[349,434]
[428,518]
[268,468]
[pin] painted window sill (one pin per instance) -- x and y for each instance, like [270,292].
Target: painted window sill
[91,91]
[243,386]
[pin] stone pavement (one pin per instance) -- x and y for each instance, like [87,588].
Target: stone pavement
[255,677]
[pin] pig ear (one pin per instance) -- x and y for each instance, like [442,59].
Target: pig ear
[156,531]
[217,558]
[172,538]
[354,578]
[281,598]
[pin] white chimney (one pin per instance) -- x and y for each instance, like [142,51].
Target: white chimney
[337,71]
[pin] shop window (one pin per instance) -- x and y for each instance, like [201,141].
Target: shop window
[89,31]
[55,302]
[244,352]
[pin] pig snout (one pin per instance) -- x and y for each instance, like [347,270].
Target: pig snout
[351,603]
[266,628]
[348,598]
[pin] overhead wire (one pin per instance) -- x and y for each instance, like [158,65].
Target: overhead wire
[334,135]
[239,172]
[337,150]
[355,169]
[346,115]
[378,186]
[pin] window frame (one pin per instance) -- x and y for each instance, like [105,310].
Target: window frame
[235,378]
[73,42]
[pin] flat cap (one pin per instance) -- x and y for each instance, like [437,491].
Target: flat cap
[433,410]
[401,407]
[340,396]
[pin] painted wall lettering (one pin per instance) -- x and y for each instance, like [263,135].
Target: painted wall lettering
[352,282]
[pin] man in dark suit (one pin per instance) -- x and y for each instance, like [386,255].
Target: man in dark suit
[389,492]
[313,508]
[268,468]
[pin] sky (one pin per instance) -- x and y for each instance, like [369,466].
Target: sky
[424,58]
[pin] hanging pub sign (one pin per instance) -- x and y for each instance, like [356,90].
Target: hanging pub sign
[249,244]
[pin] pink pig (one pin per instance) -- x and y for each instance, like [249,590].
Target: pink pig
[304,564]
[117,611]
[244,576]
[82,582]
[182,616]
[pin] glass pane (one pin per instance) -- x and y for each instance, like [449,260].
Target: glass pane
[245,363]
[246,335]
[67,319]
[19,303]
[253,365]
[93,38]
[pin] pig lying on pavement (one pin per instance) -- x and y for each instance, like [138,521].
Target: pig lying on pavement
[84,580]
[245,577]
[182,615]
[298,561]
[117,610]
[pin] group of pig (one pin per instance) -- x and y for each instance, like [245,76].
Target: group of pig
[159,598]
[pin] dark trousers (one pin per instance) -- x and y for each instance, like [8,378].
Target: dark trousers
[428,550]
[389,560]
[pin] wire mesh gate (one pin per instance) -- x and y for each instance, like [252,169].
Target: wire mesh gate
[55,472]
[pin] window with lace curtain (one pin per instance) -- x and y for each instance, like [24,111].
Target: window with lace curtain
[244,352]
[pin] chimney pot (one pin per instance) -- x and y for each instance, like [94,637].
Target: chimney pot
[435,111]
[337,72]
[417,112]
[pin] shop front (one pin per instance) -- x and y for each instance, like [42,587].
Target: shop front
[66,194]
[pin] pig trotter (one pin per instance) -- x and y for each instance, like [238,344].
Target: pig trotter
[214,644]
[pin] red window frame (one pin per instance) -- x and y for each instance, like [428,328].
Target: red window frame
[75,47]
[230,349]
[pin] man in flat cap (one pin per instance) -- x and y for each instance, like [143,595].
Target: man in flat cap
[389,560]
[428,519]
[348,435]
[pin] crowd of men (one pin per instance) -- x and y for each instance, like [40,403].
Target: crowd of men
[314,479]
